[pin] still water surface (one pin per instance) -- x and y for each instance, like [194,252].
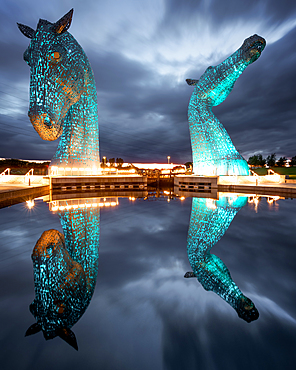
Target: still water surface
[143,313]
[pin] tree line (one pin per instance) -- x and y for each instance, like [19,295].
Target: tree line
[258,161]
[112,161]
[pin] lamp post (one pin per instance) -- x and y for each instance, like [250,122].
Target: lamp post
[104,160]
[169,159]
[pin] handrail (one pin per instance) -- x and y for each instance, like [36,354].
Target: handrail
[271,172]
[4,172]
[27,176]
[30,172]
[254,173]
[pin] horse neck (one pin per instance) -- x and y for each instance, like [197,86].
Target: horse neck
[79,143]
[82,230]
[207,226]
[212,147]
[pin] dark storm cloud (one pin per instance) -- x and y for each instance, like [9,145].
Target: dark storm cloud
[15,140]
[133,90]
[12,65]
[142,102]
[220,13]
[260,113]
[129,89]
[115,73]
[254,104]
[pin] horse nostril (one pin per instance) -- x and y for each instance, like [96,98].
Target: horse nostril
[47,121]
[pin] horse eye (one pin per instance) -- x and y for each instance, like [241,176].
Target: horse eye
[26,57]
[54,56]
[49,249]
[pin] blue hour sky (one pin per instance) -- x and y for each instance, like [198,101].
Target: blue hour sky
[141,53]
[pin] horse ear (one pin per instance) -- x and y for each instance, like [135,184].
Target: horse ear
[189,274]
[63,24]
[33,329]
[26,30]
[191,82]
[68,336]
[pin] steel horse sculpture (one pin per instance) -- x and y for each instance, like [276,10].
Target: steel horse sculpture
[212,149]
[65,273]
[208,223]
[63,98]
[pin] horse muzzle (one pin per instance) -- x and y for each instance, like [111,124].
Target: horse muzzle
[45,126]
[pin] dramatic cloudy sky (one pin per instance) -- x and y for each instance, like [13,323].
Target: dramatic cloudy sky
[141,53]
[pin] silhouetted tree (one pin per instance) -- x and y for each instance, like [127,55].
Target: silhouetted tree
[262,161]
[119,162]
[112,161]
[257,160]
[270,160]
[281,162]
[293,161]
[253,160]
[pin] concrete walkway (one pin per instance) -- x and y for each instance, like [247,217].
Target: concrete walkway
[286,190]
[6,187]
[12,193]
[16,193]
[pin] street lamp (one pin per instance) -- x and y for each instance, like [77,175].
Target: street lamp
[169,159]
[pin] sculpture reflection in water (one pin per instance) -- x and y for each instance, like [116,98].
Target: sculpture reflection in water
[65,273]
[208,223]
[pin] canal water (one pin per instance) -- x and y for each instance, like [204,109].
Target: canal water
[236,311]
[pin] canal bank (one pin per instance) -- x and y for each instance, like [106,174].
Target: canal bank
[13,194]
[23,188]
[209,186]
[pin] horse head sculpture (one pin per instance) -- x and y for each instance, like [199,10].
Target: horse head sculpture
[212,149]
[65,273]
[63,99]
[208,223]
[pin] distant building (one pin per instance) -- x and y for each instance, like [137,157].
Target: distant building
[162,168]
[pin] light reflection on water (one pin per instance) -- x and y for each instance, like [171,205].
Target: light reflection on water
[143,313]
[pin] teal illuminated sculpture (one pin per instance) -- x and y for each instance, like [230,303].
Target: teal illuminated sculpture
[209,221]
[212,149]
[63,98]
[65,273]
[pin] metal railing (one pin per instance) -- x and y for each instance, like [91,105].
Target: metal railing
[4,172]
[27,177]
[30,172]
